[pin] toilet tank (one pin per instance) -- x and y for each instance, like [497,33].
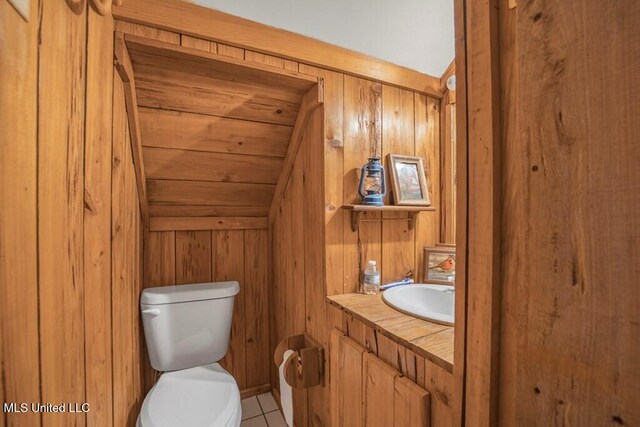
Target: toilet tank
[187,325]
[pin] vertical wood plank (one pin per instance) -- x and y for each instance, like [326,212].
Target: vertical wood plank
[398,242]
[97,219]
[461,202]
[19,346]
[275,298]
[311,152]
[333,175]
[387,350]
[447,170]
[121,256]
[290,65]
[61,108]
[229,265]
[513,215]
[160,258]
[193,256]
[356,330]
[145,370]
[427,146]
[234,52]
[196,43]
[265,59]
[336,388]
[332,163]
[149,32]
[131,283]
[378,392]
[362,139]
[256,307]
[297,286]
[483,221]
[576,173]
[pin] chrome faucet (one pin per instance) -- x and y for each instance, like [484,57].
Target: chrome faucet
[405,281]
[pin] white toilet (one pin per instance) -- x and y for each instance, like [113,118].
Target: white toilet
[187,330]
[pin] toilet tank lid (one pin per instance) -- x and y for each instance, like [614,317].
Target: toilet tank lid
[186,293]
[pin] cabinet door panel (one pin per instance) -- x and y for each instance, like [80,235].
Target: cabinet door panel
[346,381]
[411,404]
[378,392]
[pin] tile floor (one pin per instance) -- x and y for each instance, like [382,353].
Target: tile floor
[261,411]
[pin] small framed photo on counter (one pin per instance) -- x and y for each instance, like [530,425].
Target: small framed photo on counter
[408,180]
[440,265]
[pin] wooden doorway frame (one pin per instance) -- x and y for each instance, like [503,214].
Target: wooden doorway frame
[479,139]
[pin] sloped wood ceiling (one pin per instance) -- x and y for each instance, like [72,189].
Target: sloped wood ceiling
[214,132]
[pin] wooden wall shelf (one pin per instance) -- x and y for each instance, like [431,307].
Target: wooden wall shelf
[358,210]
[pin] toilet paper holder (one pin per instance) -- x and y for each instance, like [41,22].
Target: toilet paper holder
[305,367]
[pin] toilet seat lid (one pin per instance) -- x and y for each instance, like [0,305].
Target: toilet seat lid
[204,396]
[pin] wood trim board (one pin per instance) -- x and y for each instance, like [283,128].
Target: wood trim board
[206,223]
[125,70]
[205,23]
[313,99]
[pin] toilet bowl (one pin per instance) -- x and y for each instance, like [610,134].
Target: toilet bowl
[201,396]
[187,330]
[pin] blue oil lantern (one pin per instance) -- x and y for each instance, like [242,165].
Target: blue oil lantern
[372,186]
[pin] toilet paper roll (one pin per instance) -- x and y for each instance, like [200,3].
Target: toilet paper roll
[286,397]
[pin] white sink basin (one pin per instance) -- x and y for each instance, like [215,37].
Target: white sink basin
[434,303]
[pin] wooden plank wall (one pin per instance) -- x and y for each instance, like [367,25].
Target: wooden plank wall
[298,240]
[570,336]
[71,249]
[448,168]
[58,169]
[19,339]
[195,256]
[377,120]
[349,130]
[131,374]
[298,291]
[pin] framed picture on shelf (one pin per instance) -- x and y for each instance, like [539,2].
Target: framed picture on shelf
[446,245]
[408,180]
[439,265]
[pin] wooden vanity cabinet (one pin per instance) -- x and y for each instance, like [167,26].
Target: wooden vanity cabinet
[366,391]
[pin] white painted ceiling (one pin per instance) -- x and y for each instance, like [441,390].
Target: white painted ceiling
[416,34]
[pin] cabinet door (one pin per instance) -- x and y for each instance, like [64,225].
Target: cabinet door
[411,404]
[346,381]
[378,392]
[365,391]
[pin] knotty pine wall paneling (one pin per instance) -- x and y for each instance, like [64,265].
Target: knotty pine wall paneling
[61,127]
[82,85]
[71,240]
[130,367]
[298,291]
[397,241]
[362,139]
[97,218]
[354,113]
[195,256]
[19,326]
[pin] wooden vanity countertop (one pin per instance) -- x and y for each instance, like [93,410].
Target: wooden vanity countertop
[429,340]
